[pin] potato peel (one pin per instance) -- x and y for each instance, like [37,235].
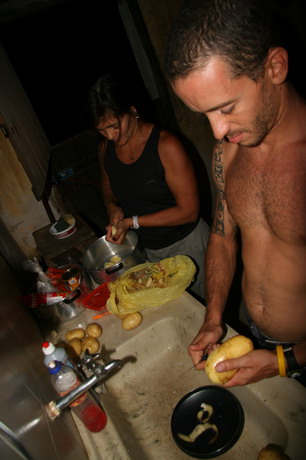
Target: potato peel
[204,425]
[205,408]
[199,429]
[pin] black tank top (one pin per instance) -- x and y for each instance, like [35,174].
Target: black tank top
[141,188]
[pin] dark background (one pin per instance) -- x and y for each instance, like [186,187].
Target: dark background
[59,52]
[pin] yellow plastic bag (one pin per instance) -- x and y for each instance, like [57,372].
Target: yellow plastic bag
[150,284]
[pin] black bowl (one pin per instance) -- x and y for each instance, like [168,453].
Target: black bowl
[227,415]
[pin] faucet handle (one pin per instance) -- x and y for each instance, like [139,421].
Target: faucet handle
[89,357]
[89,360]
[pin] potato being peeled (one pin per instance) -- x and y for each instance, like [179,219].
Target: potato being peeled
[232,348]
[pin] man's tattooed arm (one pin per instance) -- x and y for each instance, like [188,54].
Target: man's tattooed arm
[218,171]
[218,224]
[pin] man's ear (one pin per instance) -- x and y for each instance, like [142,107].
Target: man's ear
[277,65]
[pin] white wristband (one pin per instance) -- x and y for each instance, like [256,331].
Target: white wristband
[135,225]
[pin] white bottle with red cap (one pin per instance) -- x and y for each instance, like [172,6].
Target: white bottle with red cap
[53,353]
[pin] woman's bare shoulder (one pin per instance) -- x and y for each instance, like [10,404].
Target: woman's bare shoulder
[170,143]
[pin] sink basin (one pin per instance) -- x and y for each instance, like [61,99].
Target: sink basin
[141,397]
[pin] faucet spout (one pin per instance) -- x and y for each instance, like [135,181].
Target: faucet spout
[115,364]
[54,408]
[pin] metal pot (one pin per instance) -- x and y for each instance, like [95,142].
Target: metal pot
[98,253]
[64,310]
[61,311]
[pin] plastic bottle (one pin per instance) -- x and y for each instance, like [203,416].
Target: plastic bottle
[53,353]
[64,379]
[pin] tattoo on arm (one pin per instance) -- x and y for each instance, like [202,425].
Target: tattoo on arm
[218,163]
[218,225]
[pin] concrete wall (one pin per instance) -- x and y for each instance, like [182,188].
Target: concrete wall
[20,211]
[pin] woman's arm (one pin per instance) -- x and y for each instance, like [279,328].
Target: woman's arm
[115,213]
[109,198]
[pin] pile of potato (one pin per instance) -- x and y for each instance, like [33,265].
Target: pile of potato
[79,340]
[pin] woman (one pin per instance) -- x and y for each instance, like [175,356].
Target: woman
[148,181]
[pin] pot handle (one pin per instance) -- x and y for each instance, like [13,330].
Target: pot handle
[77,294]
[113,269]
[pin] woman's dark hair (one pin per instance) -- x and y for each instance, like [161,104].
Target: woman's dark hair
[107,97]
[241,32]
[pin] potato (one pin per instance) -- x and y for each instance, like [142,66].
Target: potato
[115,259]
[78,333]
[94,330]
[114,230]
[69,219]
[232,348]
[272,452]
[91,344]
[131,321]
[75,346]
[108,264]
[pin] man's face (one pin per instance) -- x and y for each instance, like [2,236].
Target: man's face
[239,109]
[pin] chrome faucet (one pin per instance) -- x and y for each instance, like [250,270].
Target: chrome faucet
[100,371]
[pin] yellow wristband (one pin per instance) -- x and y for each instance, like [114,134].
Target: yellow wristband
[281,360]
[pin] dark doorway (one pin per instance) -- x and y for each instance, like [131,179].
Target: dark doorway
[60,51]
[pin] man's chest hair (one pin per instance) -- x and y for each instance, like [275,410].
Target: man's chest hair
[268,192]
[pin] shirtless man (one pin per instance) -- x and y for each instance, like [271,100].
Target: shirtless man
[238,79]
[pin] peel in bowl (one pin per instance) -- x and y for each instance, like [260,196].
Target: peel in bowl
[227,415]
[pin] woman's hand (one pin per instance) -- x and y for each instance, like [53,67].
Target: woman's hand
[116,216]
[122,227]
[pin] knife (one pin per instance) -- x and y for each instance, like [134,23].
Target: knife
[204,357]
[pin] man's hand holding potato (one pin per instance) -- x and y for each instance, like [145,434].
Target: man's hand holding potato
[252,367]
